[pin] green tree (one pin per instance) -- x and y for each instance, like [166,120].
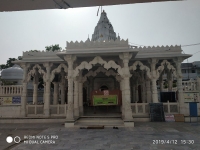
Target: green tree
[8,64]
[53,47]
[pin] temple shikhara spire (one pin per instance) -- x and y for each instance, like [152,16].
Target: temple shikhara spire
[104,29]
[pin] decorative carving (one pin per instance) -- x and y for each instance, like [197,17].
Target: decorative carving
[167,65]
[57,70]
[97,60]
[142,67]
[33,72]
[94,44]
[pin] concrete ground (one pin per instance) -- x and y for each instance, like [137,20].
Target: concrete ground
[144,136]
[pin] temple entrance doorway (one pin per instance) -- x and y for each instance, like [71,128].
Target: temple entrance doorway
[104,87]
[104,97]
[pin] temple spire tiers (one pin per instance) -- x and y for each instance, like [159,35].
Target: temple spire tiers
[47,81]
[25,67]
[126,101]
[104,29]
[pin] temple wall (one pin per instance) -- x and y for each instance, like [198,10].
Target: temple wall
[9,111]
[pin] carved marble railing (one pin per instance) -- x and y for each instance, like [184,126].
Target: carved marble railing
[38,110]
[140,108]
[143,108]
[10,90]
[58,110]
[33,110]
[174,89]
[171,108]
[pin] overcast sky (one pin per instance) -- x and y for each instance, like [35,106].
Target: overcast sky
[162,23]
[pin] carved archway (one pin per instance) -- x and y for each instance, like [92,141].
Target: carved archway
[33,72]
[58,70]
[142,67]
[101,69]
[98,60]
[166,64]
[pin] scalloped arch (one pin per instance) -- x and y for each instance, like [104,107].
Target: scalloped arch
[33,71]
[160,69]
[101,69]
[98,60]
[57,70]
[142,67]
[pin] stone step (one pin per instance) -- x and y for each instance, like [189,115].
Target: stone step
[99,121]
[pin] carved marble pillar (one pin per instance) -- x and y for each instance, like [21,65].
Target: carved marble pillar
[44,93]
[76,99]
[35,88]
[80,97]
[126,104]
[62,87]
[161,82]
[169,80]
[153,62]
[35,93]
[178,62]
[122,89]
[148,89]
[47,89]
[136,92]
[70,109]
[80,93]
[24,90]
[56,93]
[143,92]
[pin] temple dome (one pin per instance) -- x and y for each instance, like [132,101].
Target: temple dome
[104,29]
[12,73]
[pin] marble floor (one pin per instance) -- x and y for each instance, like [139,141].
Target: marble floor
[144,136]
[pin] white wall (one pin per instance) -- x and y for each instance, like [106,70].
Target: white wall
[9,111]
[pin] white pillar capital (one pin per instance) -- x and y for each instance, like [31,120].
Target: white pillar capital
[125,57]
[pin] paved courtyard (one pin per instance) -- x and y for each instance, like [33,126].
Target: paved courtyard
[144,136]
